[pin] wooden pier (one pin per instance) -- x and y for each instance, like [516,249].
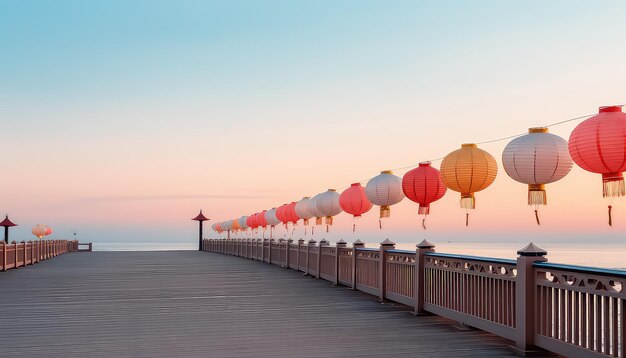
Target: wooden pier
[202,304]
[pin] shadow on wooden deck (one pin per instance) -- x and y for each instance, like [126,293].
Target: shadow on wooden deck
[200,304]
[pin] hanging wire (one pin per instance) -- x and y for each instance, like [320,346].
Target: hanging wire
[485,142]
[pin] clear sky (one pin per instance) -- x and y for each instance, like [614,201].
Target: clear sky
[121,119]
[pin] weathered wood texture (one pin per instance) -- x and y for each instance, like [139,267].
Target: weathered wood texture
[200,304]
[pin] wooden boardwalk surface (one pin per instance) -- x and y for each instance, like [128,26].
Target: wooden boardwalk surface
[200,304]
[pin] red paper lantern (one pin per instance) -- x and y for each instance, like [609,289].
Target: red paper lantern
[251,221]
[290,212]
[423,185]
[598,145]
[261,219]
[282,215]
[354,201]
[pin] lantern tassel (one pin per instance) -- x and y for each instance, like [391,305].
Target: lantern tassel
[537,194]
[424,209]
[468,201]
[610,218]
[327,228]
[380,224]
[613,187]
[466,219]
[318,221]
[306,221]
[424,223]
[537,217]
[353,228]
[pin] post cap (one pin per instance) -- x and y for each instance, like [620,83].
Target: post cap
[358,243]
[341,242]
[323,242]
[289,240]
[532,250]
[200,217]
[387,242]
[6,222]
[300,240]
[312,242]
[425,244]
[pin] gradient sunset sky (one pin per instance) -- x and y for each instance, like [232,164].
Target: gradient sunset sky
[121,119]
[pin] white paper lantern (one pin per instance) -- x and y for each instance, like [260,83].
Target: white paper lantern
[536,159]
[384,190]
[227,225]
[242,222]
[302,210]
[270,217]
[327,204]
[314,211]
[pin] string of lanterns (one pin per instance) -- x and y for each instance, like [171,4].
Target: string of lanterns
[536,158]
[41,230]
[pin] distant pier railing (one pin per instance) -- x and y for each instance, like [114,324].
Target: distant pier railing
[18,254]
[570,310]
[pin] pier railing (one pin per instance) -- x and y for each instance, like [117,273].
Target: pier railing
[18,254]
[570,310]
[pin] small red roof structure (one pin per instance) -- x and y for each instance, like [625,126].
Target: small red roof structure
[200,217]
[7,223]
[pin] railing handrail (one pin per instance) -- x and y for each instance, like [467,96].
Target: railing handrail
[396,251]
[473,258]
[581,269]
[366,249]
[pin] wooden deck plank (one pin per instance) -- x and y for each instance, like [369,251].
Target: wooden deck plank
[199,304]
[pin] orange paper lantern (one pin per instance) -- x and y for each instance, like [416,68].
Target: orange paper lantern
[467,171]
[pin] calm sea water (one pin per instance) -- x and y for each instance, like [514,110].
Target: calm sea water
[607,255]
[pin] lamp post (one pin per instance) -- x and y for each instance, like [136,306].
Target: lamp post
[200,218]
[7,224]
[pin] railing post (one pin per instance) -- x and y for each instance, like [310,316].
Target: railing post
[382,270]
[300,244]
[4,256]
[525,295]
[270,251]
[323,243]
[355,245]
[308,253]
[287,258]
[15,253]
[280,242]
[420,274]
[339,245]
[263,249]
